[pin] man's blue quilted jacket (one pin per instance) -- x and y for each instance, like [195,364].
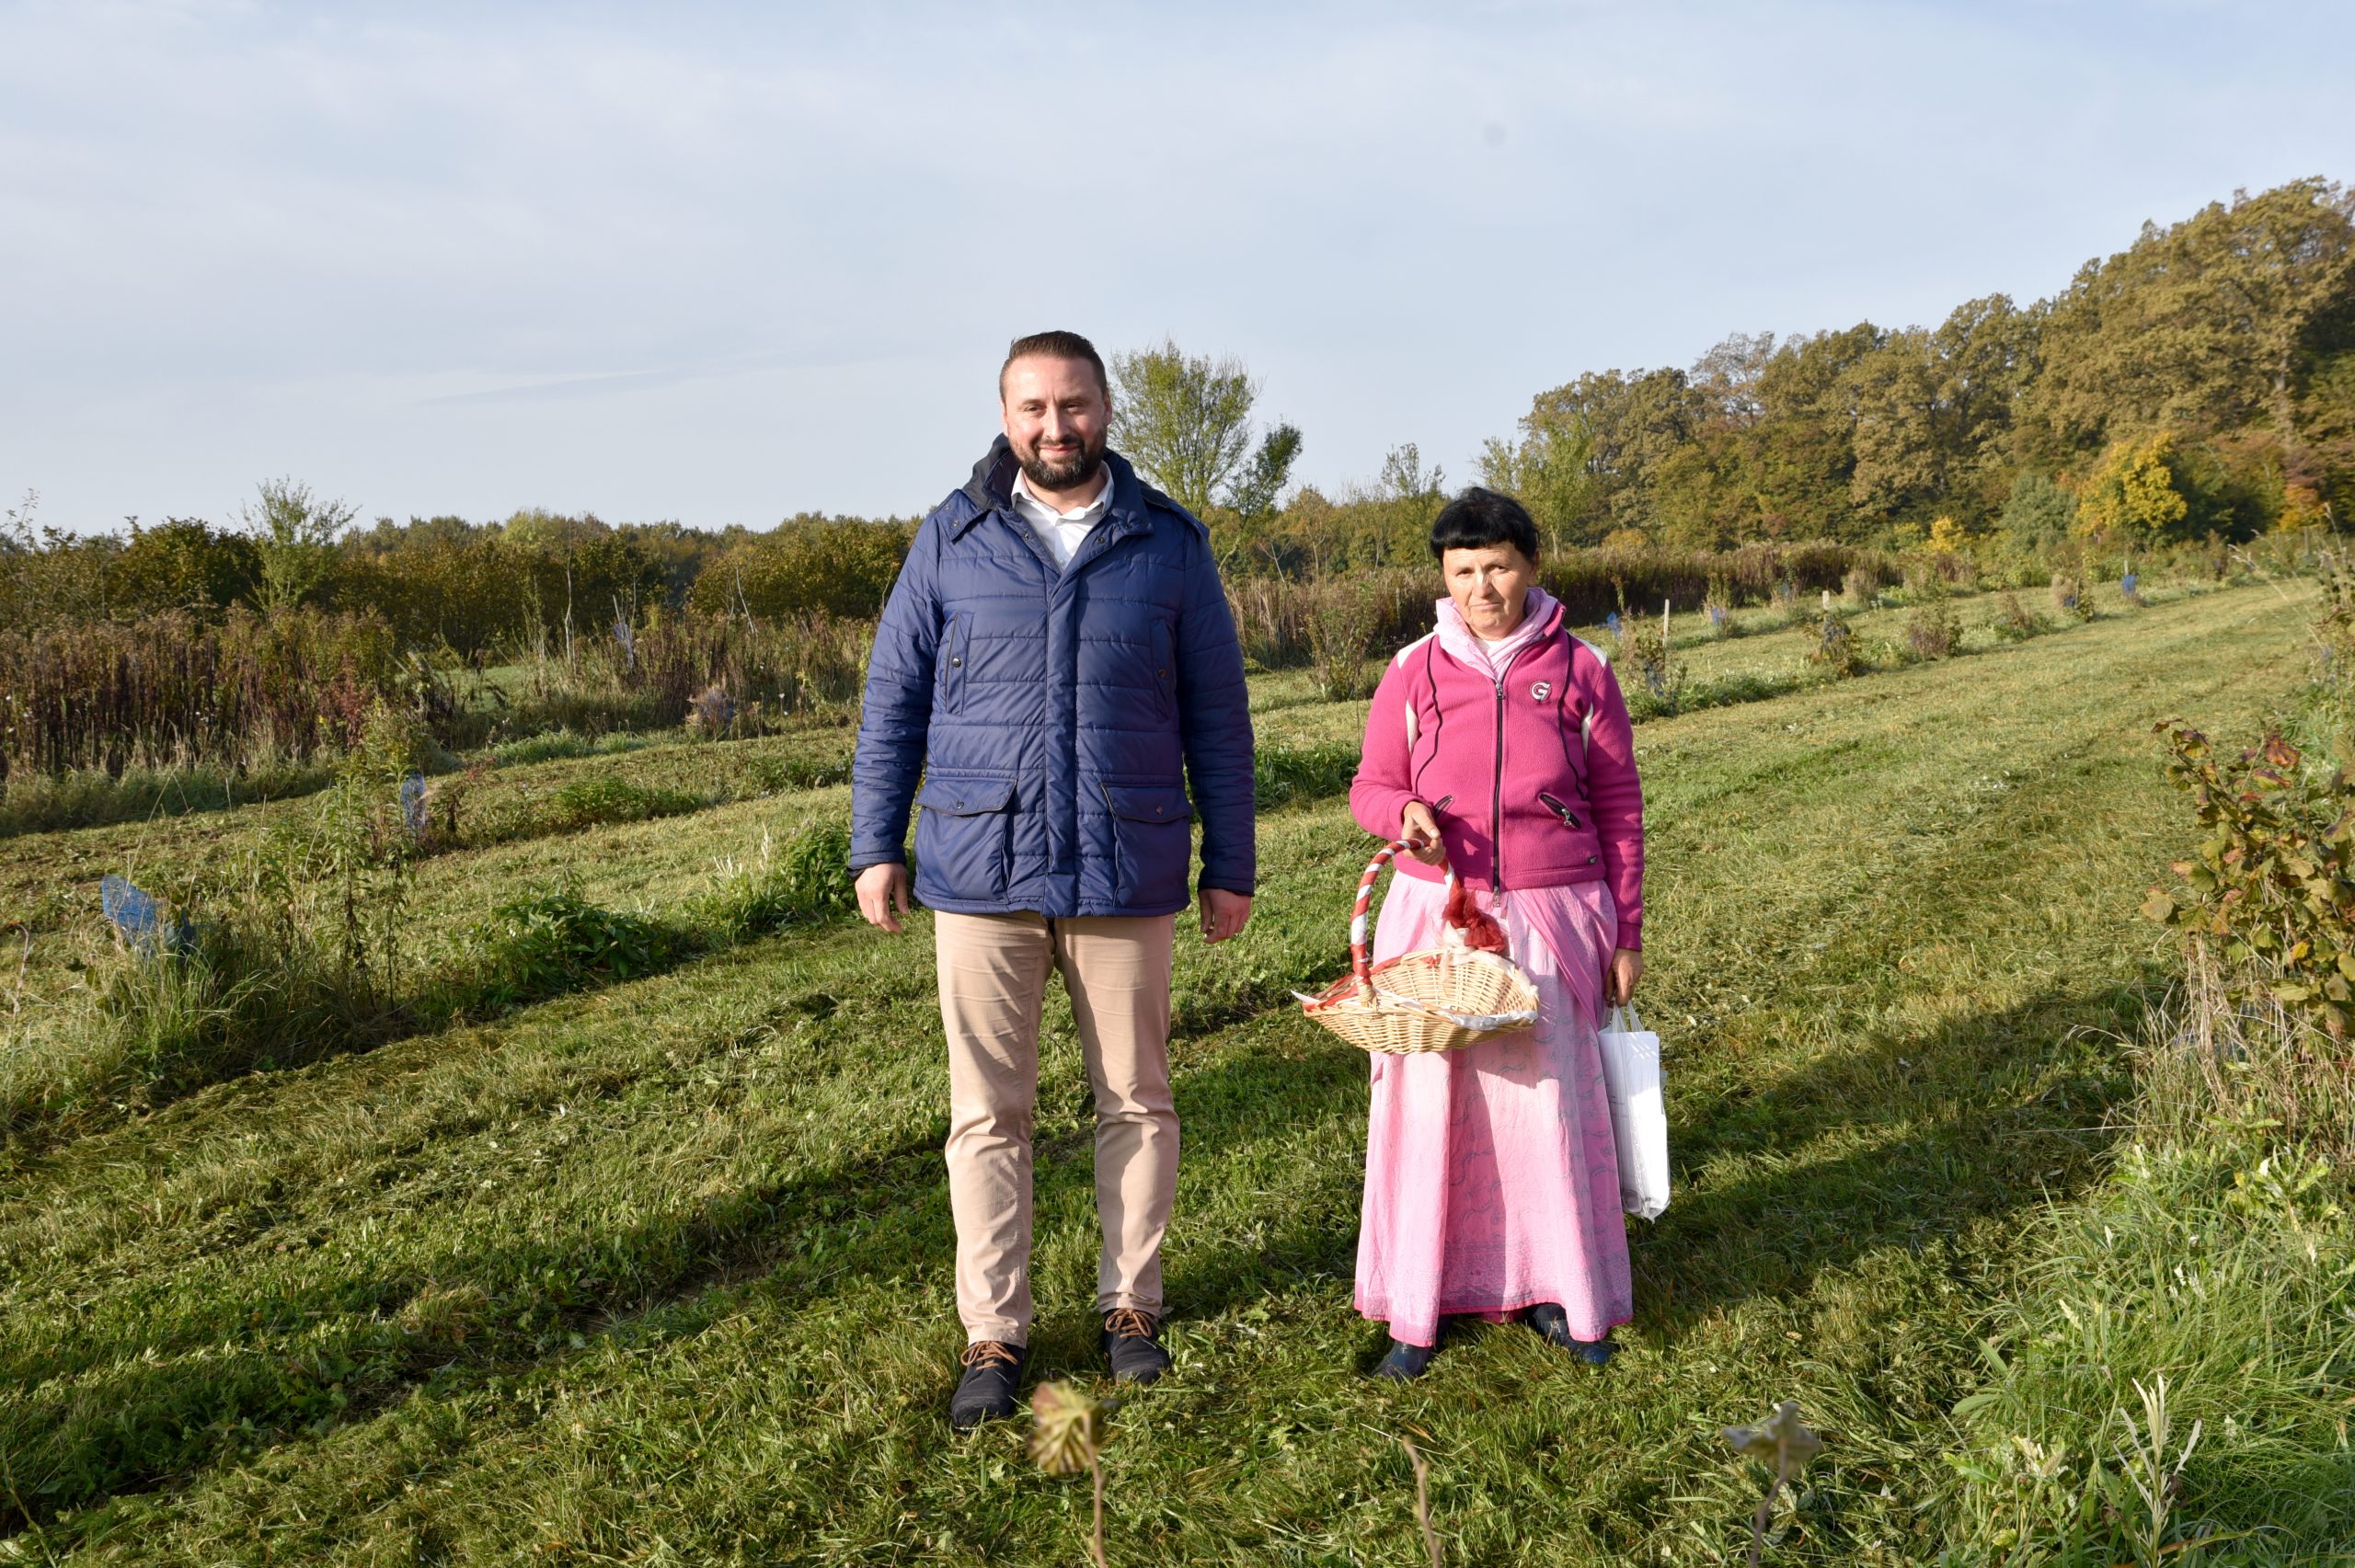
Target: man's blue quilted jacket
[1055,718]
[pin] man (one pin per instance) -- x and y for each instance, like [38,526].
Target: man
[1055,665]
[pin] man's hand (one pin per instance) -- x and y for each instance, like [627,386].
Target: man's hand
[1224,913]
[1619,981]
[883,894]
[1421,830]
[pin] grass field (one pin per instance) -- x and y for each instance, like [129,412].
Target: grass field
[658,1272]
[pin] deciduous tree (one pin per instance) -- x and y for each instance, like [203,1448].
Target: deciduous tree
[1184,419]
[294,535]
[2132,495]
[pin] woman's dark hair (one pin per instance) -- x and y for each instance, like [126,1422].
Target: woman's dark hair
[1480,518]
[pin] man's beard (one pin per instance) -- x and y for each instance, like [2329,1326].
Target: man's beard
[1074,472]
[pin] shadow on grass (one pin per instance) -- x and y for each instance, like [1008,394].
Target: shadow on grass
[113,1413]
[1957,1162]
[273,1363]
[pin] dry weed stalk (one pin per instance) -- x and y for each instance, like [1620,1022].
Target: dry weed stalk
[1066,1436]
[1779,1441]
[1423,1498]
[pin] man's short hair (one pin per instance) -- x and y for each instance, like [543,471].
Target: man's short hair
[1054,345]
[1480,518]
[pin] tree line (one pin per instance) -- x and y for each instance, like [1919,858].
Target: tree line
[2201,380]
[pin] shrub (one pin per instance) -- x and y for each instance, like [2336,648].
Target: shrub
[1932,631]
[2271,890]
[296,953]
[1644,652]
[2039,513]
[713,710]
[1835,646]
[1344,630]
[808,565]
[1272,615]
[2069,595]
[770,675]
[2012,619]
[803,670]
[1718,605]
[467,589]
[1862,584]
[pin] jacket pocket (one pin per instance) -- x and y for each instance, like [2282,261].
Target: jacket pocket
[1574,841]
[964,844]
[1152,844]
[953,653]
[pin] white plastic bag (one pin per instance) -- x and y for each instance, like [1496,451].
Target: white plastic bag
[1638,1115]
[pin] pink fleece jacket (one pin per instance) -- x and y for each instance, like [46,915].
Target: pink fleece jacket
[1531,773]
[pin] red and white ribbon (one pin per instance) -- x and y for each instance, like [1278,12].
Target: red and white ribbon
[1361,958]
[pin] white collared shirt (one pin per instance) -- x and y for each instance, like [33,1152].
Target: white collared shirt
[1060,531]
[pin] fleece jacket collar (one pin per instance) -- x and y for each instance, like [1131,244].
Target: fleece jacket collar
[1462,645]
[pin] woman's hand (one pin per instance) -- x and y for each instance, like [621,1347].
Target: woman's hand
[1419,828]
[1619,981]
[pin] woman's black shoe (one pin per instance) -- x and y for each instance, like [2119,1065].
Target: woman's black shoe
[1553,1325]
[992,1377]
[1405,1362]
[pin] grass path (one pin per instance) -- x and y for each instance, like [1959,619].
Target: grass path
[659,1274]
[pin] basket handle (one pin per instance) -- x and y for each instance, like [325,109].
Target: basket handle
[1360,915]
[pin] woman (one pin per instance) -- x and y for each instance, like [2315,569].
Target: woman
[1491,1180]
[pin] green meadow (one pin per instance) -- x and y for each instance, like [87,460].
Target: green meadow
[647,1261]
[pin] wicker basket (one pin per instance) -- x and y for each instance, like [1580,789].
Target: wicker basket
[1436,999]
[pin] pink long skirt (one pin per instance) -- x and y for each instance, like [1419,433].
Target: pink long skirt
[1491,1180]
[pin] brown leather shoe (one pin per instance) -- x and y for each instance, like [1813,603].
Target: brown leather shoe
[992,1377]
[1132,1344]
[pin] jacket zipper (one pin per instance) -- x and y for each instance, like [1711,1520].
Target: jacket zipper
[1497,803]
[1120,881]
[1570,819]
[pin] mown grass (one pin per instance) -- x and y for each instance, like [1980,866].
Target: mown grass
[658,1272]
[253,991]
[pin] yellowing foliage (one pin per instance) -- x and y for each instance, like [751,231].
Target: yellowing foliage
[2302,507]
[2131,493]
[1945,536]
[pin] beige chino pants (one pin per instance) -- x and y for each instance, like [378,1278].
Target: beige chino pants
[992,985]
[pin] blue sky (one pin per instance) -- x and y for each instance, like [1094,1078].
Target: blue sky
[723,263]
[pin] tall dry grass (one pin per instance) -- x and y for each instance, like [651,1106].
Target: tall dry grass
[732,674]
[2221,1050]
[171,692]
